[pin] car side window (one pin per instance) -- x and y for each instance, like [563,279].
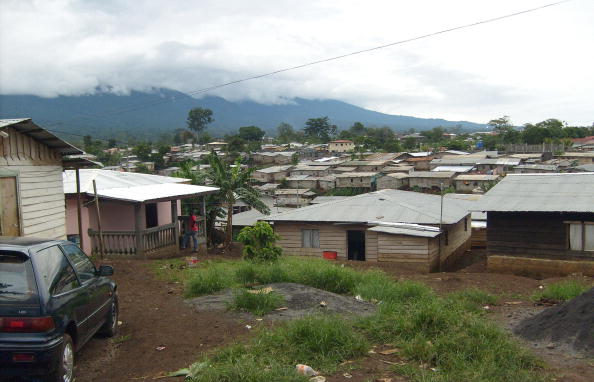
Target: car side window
[55,271]
[83,266]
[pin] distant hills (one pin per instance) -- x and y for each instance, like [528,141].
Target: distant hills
[142,114]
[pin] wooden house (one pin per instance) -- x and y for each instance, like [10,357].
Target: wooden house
[578,157]
[427,180]
[289,197]
[385,226]
[536,168]
[31,191]
[393,181]
[541,224]
[311,170]
[469,183]
[356,179]
[271,174]
[367,165]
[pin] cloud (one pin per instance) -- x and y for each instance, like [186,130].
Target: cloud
[531,67]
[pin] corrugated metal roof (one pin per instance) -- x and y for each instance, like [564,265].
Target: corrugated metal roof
[326,199]
[274,169]
[355,174]
[294,191]
[544,167]
[27,127]
[431,174]
[453,168]
[477,177]
[107,179]
[573,192]
[405,231]
[250,217]
[156,192]
[385,205]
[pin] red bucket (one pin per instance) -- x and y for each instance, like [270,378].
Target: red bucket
[330,255]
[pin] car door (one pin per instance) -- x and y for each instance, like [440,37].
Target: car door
[97,288]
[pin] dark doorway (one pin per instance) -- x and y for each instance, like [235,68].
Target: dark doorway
[152,219]
[356,242]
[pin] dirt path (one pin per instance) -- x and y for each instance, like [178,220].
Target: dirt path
[152,315]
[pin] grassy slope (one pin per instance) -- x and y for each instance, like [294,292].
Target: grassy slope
[449,336]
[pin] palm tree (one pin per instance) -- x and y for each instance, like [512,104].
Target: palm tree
[234,185]
[213,207]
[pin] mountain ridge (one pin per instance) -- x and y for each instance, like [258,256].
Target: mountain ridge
[164,110]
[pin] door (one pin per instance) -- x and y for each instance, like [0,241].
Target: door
[356,245]
[10,224]
[152,219]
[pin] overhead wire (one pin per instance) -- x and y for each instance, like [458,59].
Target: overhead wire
[362,51]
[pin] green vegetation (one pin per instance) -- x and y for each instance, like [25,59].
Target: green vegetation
[256,301]
[258,241]
[441,338]
[562,290]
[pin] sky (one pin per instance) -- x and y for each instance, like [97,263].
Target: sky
[530,67]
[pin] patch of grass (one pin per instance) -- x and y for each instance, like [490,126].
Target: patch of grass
[319,341]
[209,280]
[562,290]
[121,339]
[472,299]
[256,303]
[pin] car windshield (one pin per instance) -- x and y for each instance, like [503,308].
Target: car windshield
[16,278]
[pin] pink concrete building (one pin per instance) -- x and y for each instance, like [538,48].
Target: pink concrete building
[138,212]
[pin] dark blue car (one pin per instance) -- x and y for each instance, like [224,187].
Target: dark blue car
[52,301]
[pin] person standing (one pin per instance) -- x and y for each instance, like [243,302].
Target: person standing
[191,232]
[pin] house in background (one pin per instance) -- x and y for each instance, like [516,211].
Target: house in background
[357,179]
[31,190]
[393,181]
[289,197]
[385,226]
[471,182]
[341,146]
[271,174]
[541,224]
[427,180]
[138,213]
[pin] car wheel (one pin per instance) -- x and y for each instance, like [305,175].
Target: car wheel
[65,368]
[110,327]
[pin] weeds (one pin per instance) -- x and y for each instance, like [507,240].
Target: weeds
[562,290]
[256,303]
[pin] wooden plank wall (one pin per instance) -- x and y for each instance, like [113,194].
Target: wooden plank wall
[459,235]
[533,234]
[407,250]
[41,193]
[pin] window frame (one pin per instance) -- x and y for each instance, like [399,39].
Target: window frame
[81,281]
[583,230]
[41,283]
[303,235]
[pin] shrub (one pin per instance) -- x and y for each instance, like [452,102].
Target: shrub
[256,303]
[563,290]
[259,242]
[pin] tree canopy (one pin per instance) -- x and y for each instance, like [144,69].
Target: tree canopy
[251,133]
[319,129]
[199,118]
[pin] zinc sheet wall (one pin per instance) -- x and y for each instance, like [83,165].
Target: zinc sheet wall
[40,191]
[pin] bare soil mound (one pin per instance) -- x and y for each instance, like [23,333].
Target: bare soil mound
[301,300]
[570,325]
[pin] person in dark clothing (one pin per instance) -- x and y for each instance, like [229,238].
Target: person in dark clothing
[191,232]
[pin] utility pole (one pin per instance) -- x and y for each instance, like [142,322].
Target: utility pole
[440,222]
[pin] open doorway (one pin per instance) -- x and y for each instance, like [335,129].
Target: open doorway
[356,245]
[152,219]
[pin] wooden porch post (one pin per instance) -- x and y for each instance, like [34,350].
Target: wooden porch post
[138,229]
[204,225]
[79,210]
[175,221]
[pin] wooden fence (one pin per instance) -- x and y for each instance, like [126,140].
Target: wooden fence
[151,242]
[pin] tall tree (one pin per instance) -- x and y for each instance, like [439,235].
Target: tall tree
[285,133]
[199,118]
[319,128]
[142,151]
[234,185]
[251,133]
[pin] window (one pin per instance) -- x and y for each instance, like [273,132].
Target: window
[55,271]
[581,236]
[83,266]
[310,238]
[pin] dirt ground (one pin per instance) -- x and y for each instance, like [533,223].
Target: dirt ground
[153,314]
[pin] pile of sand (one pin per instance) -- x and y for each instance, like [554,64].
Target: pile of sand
[570,325]
[301,300]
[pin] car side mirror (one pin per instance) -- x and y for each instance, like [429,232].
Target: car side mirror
[105,270]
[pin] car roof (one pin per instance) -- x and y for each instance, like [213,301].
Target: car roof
[15,243]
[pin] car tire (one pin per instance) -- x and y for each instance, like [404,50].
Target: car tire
[110,327]
[64,371]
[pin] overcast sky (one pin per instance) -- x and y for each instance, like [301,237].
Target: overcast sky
[530,67]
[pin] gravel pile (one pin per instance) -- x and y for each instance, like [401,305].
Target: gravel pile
[569,325]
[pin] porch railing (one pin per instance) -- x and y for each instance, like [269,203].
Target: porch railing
[132,243]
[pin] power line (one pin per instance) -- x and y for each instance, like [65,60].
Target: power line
[432,34]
